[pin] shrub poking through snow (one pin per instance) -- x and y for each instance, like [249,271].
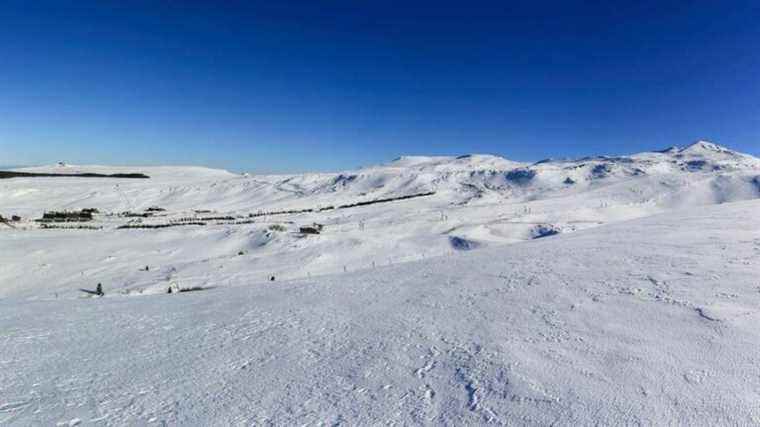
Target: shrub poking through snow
[193,289]
[277,227]
[6,221]
[462,244]
[128,214]
[311,229]
[171,224]
[67,216]
[46,226]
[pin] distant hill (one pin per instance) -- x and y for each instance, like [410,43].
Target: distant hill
[13,174]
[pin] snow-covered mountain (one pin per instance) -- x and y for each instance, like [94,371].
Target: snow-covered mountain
[716,173]
[549,329]
[470,177]
[478,200]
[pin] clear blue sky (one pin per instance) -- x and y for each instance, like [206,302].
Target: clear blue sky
[320,85]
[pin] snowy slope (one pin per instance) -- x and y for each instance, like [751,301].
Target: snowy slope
[651,321]
[437,309]
[472,179]
[479,201]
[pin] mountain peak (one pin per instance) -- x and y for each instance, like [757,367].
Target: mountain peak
[701,147]
[466,161]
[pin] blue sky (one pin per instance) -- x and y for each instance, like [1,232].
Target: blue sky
[306,85]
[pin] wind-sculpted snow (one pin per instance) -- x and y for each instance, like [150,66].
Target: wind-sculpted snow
[652,321]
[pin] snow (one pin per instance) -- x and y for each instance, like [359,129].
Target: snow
[443,309]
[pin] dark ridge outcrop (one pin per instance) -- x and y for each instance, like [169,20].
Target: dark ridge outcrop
[12,174]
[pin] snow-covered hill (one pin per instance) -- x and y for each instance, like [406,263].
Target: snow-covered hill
[719,173]
[652,321]
[424,299]
[479,201]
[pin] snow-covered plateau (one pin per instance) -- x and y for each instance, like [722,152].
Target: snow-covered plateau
[427,291]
